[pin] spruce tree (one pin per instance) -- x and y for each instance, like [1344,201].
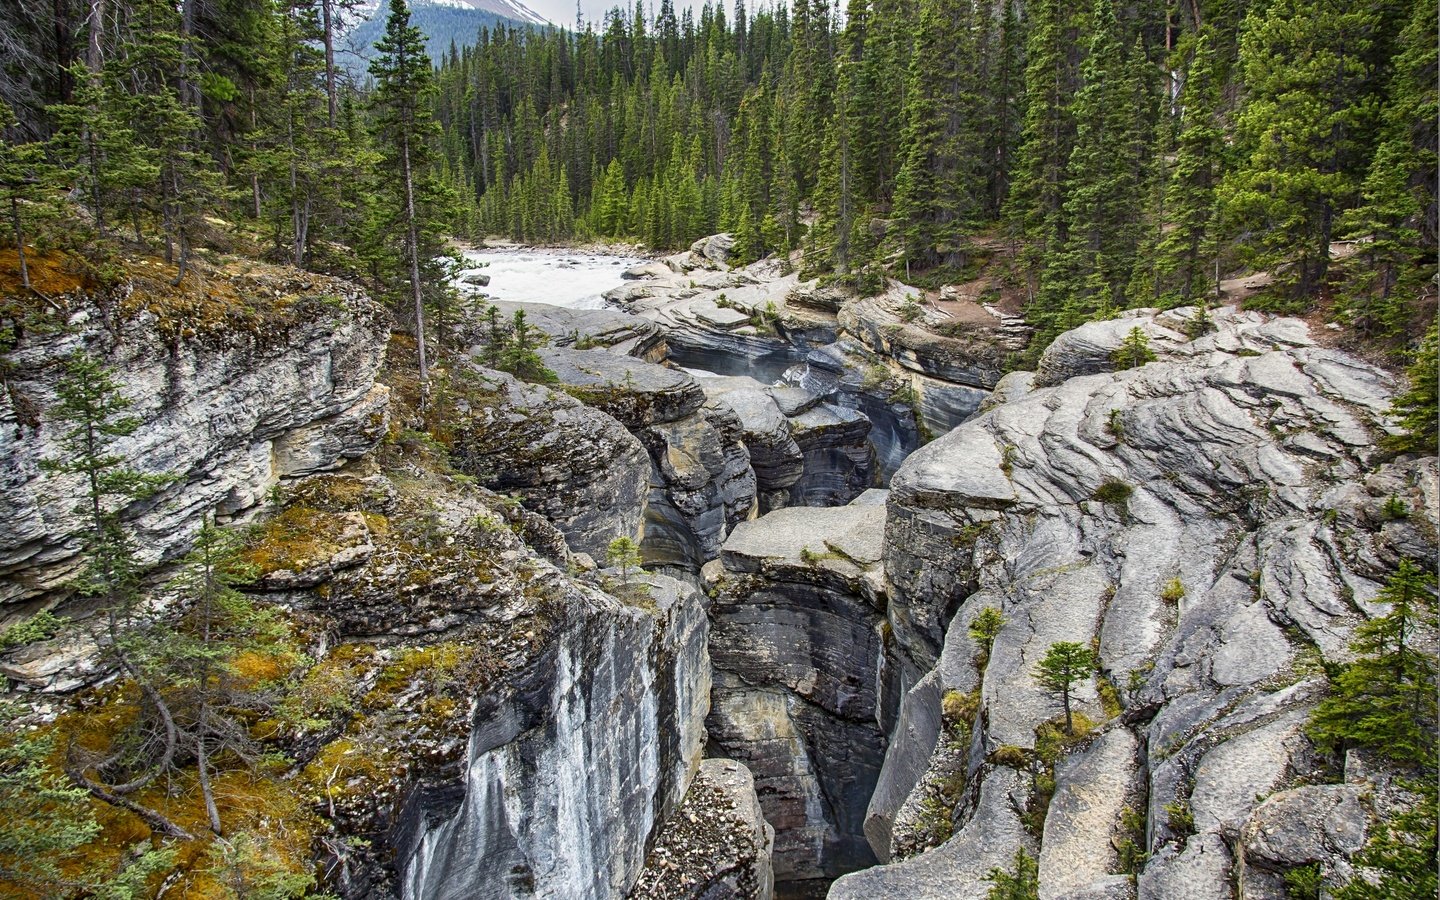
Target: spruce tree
[1385,699]
[937,199]
[1037,185]
[1065,665]
[1102,202]
[1418,407]
[404,84]
[1396,216]
[1301,131]
[1188,246]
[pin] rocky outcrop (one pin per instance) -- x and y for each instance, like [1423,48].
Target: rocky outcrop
[795,639]
[568,772]
[848,376]
[572,464]
[1205,520]
[805,451]
[261,376]
[700,484]
[717,844]
[617,331]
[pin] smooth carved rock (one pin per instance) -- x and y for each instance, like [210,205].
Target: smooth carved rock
[1200,518]
[956,870]
[1077,852]
[620,332]
[794,638]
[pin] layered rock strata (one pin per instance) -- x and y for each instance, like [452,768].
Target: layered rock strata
[795,640]
[1206,521]
[267,375]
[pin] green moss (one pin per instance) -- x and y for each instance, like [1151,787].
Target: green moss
[1113,492]
[1012,756]
[1179,818]
[1173,591]
[1130,844]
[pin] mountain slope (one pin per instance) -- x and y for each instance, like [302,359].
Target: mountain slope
[444,22]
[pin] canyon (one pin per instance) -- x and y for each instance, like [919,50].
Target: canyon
[826,492]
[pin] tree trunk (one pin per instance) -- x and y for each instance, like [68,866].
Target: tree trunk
[327,16]
[19,241]
[1069,724]
[202,763]
[94,27]
[413,239]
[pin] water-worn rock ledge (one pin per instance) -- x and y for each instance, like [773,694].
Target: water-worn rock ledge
[1242,467]
[796,610]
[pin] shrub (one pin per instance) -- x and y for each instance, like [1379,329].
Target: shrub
[1134,351]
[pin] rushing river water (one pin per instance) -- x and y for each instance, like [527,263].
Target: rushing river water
[557,276]
[578,279]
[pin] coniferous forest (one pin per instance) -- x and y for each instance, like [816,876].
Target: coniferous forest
[1127,154]
[1103,155]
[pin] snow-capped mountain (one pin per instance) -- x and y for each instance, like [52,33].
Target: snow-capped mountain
[444,22]
[505,9]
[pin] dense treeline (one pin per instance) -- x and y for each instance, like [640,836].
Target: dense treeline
[1106,155]
[174,126]
[1132,153]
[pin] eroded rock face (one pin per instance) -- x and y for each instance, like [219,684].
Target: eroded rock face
[795,641]
[700,481]
[1203,520]
[572,464]
[618,331]
[272,377]
[570,770]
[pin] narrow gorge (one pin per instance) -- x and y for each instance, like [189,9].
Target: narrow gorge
[790,690]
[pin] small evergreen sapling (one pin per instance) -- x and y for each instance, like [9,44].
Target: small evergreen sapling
[625,554]
[1065,665]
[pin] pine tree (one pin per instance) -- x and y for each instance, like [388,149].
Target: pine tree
[26,181]
[1385,699]
[1308,107]
[624,554]
[1418,407]
[986,627]
[197,658]
[1101,206]
[1065,665]
[92,410]
[1022,883]
[1395,219]
[404,83]
[936,191]
[1037,186]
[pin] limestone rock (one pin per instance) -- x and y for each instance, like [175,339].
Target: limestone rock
[620,332]
[574,465]
[272,377]
[569,772]
[794,636]
[1200,519]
